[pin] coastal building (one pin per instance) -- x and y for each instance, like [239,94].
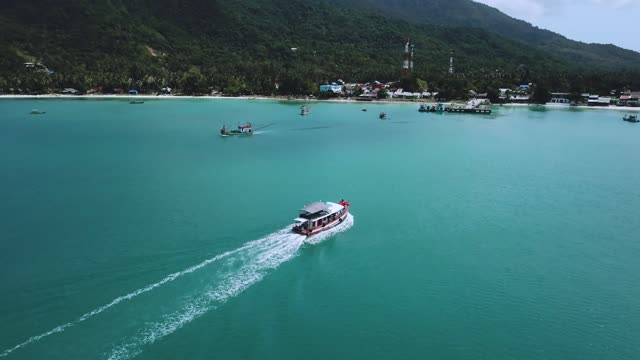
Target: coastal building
[604,101]
[520,99]
[96,90]
[624,99]
[335,88]
[366,97]
[354,88]
[629,98]
[400,93]
[595,100]
[378,85]
[559,98]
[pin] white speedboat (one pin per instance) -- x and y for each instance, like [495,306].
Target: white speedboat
[320,216]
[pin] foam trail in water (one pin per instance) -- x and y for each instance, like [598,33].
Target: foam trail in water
[255,263]
[316,239]
[120,299]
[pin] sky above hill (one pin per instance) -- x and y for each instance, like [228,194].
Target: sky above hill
[599,21]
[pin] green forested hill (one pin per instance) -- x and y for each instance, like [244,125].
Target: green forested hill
[467,13]
[246,47]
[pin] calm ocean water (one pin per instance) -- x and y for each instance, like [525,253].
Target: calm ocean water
[136,231]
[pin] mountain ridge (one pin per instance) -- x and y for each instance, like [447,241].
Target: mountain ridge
[199,45]
[472,14]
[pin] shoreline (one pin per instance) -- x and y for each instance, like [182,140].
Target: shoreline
[284,98]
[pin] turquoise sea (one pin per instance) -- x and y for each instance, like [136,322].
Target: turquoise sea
[135,231]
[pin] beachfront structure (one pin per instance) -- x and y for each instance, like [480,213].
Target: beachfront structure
[474,94]
[629,98]
[400,93]
[560,98]
[521,99]
[333,87]
[595,100]
[366,97]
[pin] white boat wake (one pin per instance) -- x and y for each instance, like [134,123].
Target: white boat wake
[239,269]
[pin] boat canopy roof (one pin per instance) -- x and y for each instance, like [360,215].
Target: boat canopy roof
[315,207]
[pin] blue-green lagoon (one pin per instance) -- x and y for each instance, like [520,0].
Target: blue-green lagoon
[137,231]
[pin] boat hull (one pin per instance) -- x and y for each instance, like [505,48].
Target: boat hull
[236,134]
[325,227]
[468,111]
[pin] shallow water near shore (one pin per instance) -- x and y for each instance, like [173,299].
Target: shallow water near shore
[136,231]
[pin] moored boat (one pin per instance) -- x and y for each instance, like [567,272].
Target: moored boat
[304,110]
[631,118]
[320,216]
[136,102]
[475,106]
[382,116]
[243,130]
[423,108]
[37,112]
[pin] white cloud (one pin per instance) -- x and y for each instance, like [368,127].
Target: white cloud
[528,10]
[614,3]
[572,17]
[531,10]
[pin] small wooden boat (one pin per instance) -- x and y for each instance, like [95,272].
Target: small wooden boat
[304,110]
[37,112]
[242,130]
[136,102]
[631,118]
[382,116]
[423,108]
[320,216]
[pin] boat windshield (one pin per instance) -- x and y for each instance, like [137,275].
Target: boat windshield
[306,215]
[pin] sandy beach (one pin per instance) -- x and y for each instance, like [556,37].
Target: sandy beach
[284,98]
